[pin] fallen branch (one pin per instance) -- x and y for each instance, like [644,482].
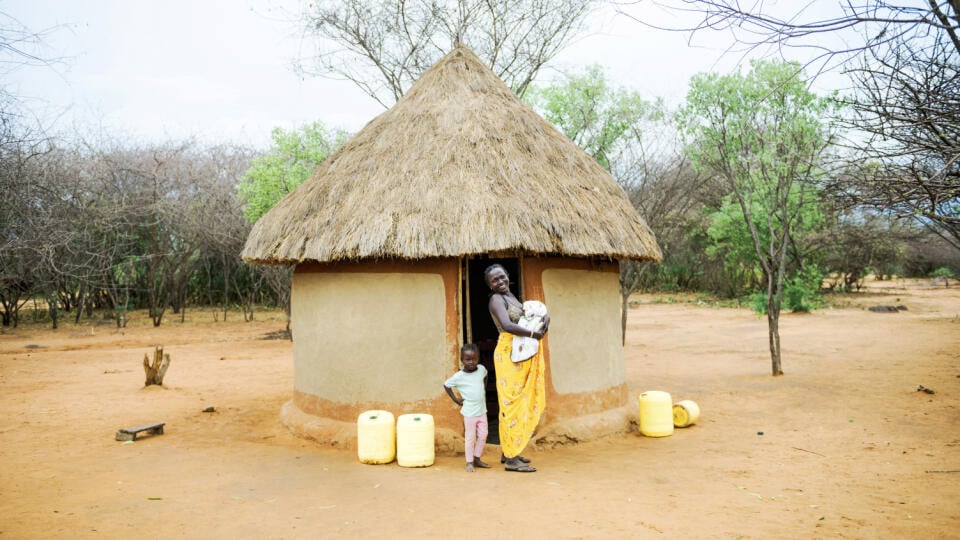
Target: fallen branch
[808,451]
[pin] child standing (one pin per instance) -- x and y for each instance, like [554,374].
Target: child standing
[471,383]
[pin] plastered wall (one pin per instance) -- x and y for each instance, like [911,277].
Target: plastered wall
[369,337]
[585,344]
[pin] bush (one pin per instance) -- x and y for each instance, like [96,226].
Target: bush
[943,272]
[758,303]
[801,293]
[798,298]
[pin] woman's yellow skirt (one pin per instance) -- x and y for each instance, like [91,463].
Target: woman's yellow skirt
[521,393]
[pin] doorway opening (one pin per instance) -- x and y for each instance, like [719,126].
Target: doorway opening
[478,326]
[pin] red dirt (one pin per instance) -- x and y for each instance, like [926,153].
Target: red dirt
[849,448]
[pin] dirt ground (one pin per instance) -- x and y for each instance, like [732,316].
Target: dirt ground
[842,446]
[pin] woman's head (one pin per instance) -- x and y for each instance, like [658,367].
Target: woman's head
[497,278]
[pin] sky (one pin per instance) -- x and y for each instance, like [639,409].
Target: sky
[222,70]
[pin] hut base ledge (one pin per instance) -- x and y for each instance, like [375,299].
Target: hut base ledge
[585,428]
[343,435]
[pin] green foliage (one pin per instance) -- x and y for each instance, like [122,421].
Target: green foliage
[595,116]
[758,302]
[762,133]
[731,240]
[291,159]
[942,272]
[801,293]
[752,127]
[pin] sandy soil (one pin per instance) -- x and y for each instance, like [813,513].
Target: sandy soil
[842,446]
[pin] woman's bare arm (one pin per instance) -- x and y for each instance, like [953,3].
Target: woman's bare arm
[499,310]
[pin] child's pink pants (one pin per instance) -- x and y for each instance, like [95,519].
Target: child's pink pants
[474,435]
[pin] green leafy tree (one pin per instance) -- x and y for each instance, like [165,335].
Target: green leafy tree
[731,240]
[600,119]
[614,126]
[762,134]
[289,161]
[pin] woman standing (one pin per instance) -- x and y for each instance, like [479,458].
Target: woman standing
[520,386]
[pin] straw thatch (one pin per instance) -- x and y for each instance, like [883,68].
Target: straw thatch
[458,166]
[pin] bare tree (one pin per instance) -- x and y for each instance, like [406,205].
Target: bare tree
[903,58]
[383,47]
[908,107]
[16,261]
[864,25]
[76,228]
[859,243]
[213,218]
[20,47]
[664,187]
[161,181]
[22,142]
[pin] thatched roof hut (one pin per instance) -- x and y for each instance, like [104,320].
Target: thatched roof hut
[459,166]
[457,174]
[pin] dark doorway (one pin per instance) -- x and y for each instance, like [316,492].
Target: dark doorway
[478,325]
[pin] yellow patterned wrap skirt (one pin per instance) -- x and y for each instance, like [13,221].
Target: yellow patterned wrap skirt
[521,392]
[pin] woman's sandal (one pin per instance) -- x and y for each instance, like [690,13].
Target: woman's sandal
[503,459]
[521,468]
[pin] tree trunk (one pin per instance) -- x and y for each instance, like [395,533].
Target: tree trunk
[626,289]
[156,370]
[78,306]
[52,307]
[226,285]
[773,325]
[624,305]
[156,315]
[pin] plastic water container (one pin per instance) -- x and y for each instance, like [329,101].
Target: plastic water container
[685,413]
[376,437]
[415,435]
[656,414]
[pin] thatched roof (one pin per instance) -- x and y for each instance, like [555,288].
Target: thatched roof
[458,166]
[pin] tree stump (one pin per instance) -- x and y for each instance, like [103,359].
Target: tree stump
[156,370]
